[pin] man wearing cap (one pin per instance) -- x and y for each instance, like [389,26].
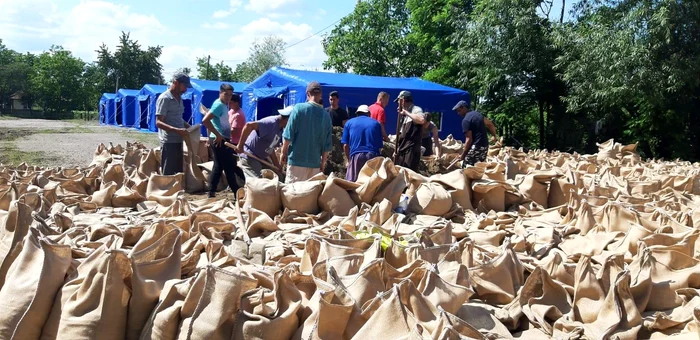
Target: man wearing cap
[216,121]
[408,148]
[338,115]
[362,141]
[307,137]
[474,125]
[172,128]
[261,138]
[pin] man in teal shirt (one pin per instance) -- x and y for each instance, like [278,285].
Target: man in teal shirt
[216,121]
[307,137]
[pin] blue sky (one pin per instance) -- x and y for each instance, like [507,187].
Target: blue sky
[224,29]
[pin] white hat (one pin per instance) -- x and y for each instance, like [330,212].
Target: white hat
[363,108]
[286,111]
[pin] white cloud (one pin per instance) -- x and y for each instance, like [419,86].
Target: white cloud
[221,14]
[216,25]
[80,29]
[270,6]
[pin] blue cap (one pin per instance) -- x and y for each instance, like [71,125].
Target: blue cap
[182,78]
[460,104]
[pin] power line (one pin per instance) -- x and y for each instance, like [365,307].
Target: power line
[290,45]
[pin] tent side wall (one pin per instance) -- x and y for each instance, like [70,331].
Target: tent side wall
[129,109]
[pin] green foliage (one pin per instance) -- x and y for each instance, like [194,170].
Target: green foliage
[263,55]
[130,66]
[57,80]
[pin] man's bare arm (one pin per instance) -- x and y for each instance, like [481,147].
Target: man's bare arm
[491,127]
[467,143]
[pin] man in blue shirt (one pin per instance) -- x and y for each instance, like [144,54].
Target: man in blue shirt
[216,121]
[307,137]
[362,140]
[474,125]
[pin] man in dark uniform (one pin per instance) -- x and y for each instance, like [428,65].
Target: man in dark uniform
[338,115]
[409,139]
[474,125]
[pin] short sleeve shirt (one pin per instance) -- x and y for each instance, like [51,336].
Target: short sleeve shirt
[337,116]
[172,109]
[263,141]
[377,113]
[474,121]
[220,121]
[237,121]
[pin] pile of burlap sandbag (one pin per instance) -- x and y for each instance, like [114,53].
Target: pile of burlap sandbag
[530,245]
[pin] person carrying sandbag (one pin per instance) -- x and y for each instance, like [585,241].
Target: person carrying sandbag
[307,137]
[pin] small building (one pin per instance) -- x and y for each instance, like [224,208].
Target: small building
[17,103]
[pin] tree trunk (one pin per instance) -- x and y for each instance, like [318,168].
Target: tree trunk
[540,106]
[563,6]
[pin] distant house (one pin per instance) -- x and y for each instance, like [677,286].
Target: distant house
[16,102]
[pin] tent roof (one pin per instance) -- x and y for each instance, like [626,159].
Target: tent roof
[301,78]
[152,88]
[127,93]
[108,96]
[213,85]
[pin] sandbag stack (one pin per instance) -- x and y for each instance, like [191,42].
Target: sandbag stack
[524,246]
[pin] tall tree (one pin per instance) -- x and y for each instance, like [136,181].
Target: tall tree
[372,40]
[130,66]
[262,56]
[58,80]
[15,71]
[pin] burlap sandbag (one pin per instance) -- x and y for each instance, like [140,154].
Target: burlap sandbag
[490,194]
[458,185]
[302,196]
[376,173]
[155,259]
[194,178]
[32,283]
[149,163]
[266,314]
[264,194]
[430,199]
[211,306]
[336,196]
[93,304]
[14,226]
[164,321]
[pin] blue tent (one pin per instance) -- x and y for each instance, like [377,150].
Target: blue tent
[146,107]
[106,107]
[125,108]
[206,92]
[279,87]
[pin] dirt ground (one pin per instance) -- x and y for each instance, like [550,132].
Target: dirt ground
[54,143]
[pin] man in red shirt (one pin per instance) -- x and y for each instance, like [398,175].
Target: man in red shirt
[377,112]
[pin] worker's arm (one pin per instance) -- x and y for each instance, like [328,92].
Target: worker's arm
[418,118]
[491,127]
[210,126]
[285,150]
[385,137]
[288,134]
[436,142]
[346,149]
[275,160]
[162,125]
[247,129]
[467,143]
[324,157]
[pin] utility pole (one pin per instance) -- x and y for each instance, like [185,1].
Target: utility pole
[116,86]
[208,58]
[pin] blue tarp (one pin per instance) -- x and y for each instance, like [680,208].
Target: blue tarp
[106,107]
[206,92]
[125,106]
[280,87]
[146,107]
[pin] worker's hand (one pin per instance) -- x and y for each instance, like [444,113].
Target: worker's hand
[494,139]
[218,140]
[239,148]
[323,165]
[181,132]
[283,161]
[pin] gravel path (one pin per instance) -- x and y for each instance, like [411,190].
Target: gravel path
[63,143]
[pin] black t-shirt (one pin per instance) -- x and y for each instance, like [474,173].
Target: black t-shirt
[338,115]
[474,121]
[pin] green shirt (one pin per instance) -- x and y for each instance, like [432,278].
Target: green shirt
[308,131]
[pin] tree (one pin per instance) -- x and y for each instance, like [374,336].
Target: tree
[262,56]
[15,71]
[185,70]
[129,66]
[372,40]
[505,51]
[58,80]
[218,71]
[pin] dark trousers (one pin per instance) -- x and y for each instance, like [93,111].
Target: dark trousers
[171,158]
[409,158]
[224,161]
